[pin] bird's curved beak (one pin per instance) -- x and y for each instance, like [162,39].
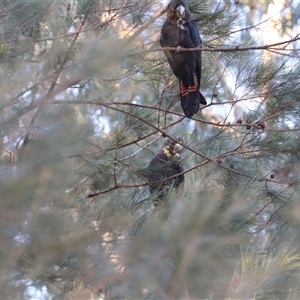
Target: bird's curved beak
[180,11]
[178,148]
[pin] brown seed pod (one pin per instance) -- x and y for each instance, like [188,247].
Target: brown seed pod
[272,176]
[248,127]
[261,125]
[219,161]
[239,121]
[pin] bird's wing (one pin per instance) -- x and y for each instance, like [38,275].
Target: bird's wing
[194,33]
[195,42]
[179,169]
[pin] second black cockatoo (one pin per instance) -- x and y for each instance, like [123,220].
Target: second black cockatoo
[180,31]
[165,170]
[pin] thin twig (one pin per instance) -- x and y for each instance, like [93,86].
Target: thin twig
[227,49]
[119,186]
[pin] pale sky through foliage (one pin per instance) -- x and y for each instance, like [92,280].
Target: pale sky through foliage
[268,31]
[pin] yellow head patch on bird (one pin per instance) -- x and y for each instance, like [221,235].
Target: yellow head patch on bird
[171,148]
[168,152]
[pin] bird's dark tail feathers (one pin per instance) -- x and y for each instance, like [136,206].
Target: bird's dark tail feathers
[194,98]
[190,99]
[202,99]
[184,96]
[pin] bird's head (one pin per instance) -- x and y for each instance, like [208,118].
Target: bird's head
[173,148]
[178,9]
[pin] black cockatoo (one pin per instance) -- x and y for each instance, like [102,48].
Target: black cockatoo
[180,31]
[164,170]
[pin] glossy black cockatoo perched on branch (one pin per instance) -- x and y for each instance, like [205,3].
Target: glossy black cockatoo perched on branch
[180,31]
[165,170]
